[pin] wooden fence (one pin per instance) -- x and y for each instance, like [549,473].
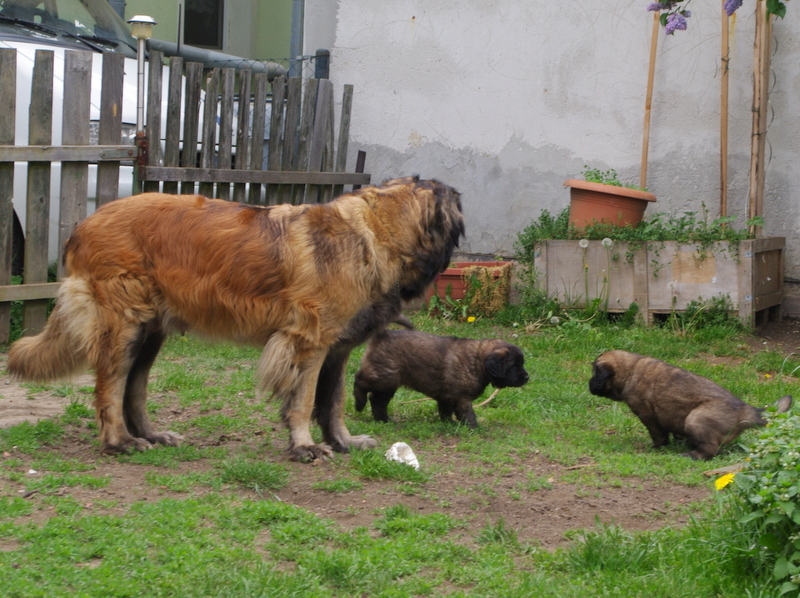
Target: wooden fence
[218,149]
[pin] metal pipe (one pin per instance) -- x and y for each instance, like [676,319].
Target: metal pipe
[296,41]
[215,59]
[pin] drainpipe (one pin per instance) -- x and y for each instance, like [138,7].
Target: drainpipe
[119,7]
[296,42]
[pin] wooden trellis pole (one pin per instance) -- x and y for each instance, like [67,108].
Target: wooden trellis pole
[723,124]
[649,99]
[761,57]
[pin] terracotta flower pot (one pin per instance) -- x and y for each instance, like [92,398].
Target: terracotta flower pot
[494,280]
[596,202]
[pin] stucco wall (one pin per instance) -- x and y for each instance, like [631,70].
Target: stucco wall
[506,100]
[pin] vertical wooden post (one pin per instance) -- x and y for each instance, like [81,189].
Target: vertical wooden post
[172,149]
[8,99]
[75,131]
[761,57]
[155,70]
[649,99]
[37,209]
[723,117]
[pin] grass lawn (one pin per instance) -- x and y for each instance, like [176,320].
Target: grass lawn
[557,493]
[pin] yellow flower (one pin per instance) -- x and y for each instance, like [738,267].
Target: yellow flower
[471,319]
[720,483]
[767,376]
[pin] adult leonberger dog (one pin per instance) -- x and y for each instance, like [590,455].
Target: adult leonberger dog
[308,283]
[670,400]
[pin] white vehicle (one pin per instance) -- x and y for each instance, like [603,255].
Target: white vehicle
[92,25]
[60,25]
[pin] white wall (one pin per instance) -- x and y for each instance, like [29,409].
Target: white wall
[506,100]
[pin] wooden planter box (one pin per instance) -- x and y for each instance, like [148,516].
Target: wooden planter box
[666,276]
[486,300]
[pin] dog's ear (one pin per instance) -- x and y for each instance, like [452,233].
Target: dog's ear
[601,376]
[498,362]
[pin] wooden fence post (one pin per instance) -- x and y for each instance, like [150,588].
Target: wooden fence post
[37,212]
[8,99]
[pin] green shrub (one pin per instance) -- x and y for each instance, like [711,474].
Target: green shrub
[768,492]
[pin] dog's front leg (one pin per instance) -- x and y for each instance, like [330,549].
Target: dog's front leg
[329,405]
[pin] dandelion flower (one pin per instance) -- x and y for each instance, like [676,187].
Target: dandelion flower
[607,242]
[471,319]
[555,320]
[723,481]
[767,375]
[583,243]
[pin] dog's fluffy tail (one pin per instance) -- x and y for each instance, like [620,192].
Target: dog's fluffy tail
[61,349]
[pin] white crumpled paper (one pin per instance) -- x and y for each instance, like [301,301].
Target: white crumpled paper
[401,452]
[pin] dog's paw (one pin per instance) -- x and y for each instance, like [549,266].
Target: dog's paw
[125,446]
[165,438]
[363,442]
[307,454]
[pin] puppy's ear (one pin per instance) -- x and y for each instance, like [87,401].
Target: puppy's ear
[498,362]
[601,376]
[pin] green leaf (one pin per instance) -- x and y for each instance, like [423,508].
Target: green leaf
[781,568]
[751,516]
[770,541]
[776,7]
[788,587]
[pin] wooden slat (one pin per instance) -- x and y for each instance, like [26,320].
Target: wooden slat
[276,127]
[329,140]
[294,93]
[225,152]
[264,177]
[304,137]
[194,73]
[344,135]
[110,124]
[243,134]
[29,292]
[8,99]
[37,212]
[257,142]
[75,130]
[155,77]
[316,144]
[173,139]
[208,140]
[66,153]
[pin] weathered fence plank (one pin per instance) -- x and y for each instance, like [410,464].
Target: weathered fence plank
[75,130]
[225,151]
[263,177]
[8,99]
[194,73]
[110,132]
[294,92]
[260,85]
[344,135]
[37,210]
[155,75]
[209,137]
[172,143]
[243,140]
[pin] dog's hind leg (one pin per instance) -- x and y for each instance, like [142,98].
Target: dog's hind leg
[704,436]
[112,362]
[144,353]
[329,405]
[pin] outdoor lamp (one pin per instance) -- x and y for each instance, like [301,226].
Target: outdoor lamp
[141,29]
[142,26]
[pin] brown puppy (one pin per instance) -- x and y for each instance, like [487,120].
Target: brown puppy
[668,399]
[307,282]
[454,371]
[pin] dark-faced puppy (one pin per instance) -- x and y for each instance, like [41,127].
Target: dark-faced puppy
[670,400]
[454,371]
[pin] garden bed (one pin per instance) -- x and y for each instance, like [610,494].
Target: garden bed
[662,277]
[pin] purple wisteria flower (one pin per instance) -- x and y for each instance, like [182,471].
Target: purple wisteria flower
[730,6]
[675,22]
[661,6]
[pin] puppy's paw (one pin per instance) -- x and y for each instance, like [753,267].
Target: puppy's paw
[363,442]
[307,454]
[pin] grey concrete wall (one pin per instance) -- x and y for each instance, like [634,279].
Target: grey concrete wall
[506,100]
